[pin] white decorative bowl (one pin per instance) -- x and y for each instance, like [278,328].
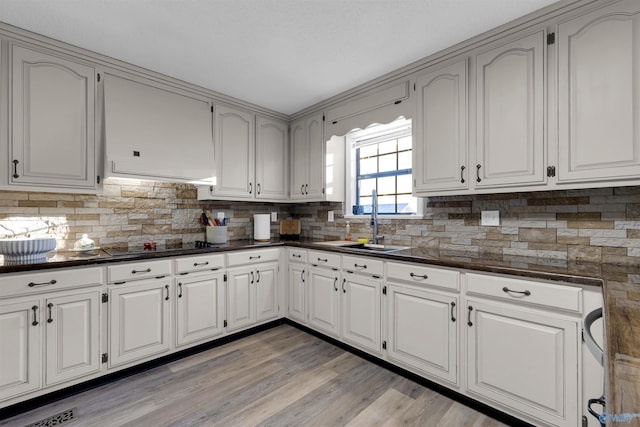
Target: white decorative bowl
[23,250]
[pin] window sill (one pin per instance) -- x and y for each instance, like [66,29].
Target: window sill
[351,216]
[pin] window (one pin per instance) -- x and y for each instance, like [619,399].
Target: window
[380,159]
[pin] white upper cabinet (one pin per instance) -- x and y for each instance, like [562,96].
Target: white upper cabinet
[510,85]
[155,131]
[234,147]
[440,130]
[599,95]
[53,142]
[307,159]
[272,159]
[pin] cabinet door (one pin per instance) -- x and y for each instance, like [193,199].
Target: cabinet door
[361,312]
[266,292]
[315,158]
[422,328]
[510,138]
[440,130]
[525,360]
[324,299]
[272,159]
[73,336]
[53,121]
[199,308]
[297,292]
[299,162]
[241,298]
[139,320]
[234,152]
[21,351]
[599,99]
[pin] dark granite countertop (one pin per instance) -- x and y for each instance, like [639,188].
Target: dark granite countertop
[620,285]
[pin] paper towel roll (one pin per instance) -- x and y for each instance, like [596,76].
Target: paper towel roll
[261,227]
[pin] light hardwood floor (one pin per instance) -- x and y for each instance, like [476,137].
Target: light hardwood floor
[279,377]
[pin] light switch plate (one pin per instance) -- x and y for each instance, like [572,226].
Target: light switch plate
[274,216]
[330,217]
[490,218]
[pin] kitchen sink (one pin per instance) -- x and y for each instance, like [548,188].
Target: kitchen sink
[370,247]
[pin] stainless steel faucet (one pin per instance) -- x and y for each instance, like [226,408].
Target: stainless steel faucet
[374,217]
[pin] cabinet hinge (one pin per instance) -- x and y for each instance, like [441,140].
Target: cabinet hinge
[551,171]
[384,290]
[225,279]
[384,345]
[224,323]
[551,38]
[105,357]
[98,76]
[105,297]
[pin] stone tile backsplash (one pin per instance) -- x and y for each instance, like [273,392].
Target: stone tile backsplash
[600,225]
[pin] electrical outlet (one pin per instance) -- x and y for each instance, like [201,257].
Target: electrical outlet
[490,218]
[330,217]
[274,216]
[220,215]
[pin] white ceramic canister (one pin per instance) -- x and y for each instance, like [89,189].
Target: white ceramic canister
[261,227]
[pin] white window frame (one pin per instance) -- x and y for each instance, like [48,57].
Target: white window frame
[371,133]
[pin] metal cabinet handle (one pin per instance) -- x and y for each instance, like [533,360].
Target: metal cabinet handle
[306,189]
[344,291]
[302,189]
[478,166]
[258,274]
[469,323]
[50,282]
[417,276]
[255,257]
[453,316]
[35,315]
[363,266]
[296,255]
[323,260]
[252,277]
[250,187]
[179,290]
[525,292]
[50,306]
[196,264]
[258,186]
[462,168]
[302,276]
[148,270]
[167,288]
[15,169]
[335,284]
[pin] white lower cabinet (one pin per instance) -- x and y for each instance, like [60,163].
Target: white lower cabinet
[361,311]
[525,360]
[252,295]
[422,331]
[21,351]
[139,320]
[324,300]
[297,307]
[199,308]
[72,336]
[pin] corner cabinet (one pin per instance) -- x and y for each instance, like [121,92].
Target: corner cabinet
[598,96]
[307,159]
[272,159]
[53,137]
[440,130]
[510,90]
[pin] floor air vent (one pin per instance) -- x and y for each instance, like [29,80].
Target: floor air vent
[57,419]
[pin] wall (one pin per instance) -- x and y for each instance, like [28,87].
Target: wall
[599,225]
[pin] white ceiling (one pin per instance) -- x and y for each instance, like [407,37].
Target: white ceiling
[285,55]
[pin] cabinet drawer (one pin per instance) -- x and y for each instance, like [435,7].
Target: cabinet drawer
[51,280]
[324,259]
[368,266]
[297,255]
[525,291]
[138,270]
[423,275]
[253,256]
[200,263]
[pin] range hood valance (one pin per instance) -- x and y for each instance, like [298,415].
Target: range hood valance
[155,132]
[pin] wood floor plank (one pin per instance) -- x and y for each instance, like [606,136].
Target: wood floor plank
[279,377]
